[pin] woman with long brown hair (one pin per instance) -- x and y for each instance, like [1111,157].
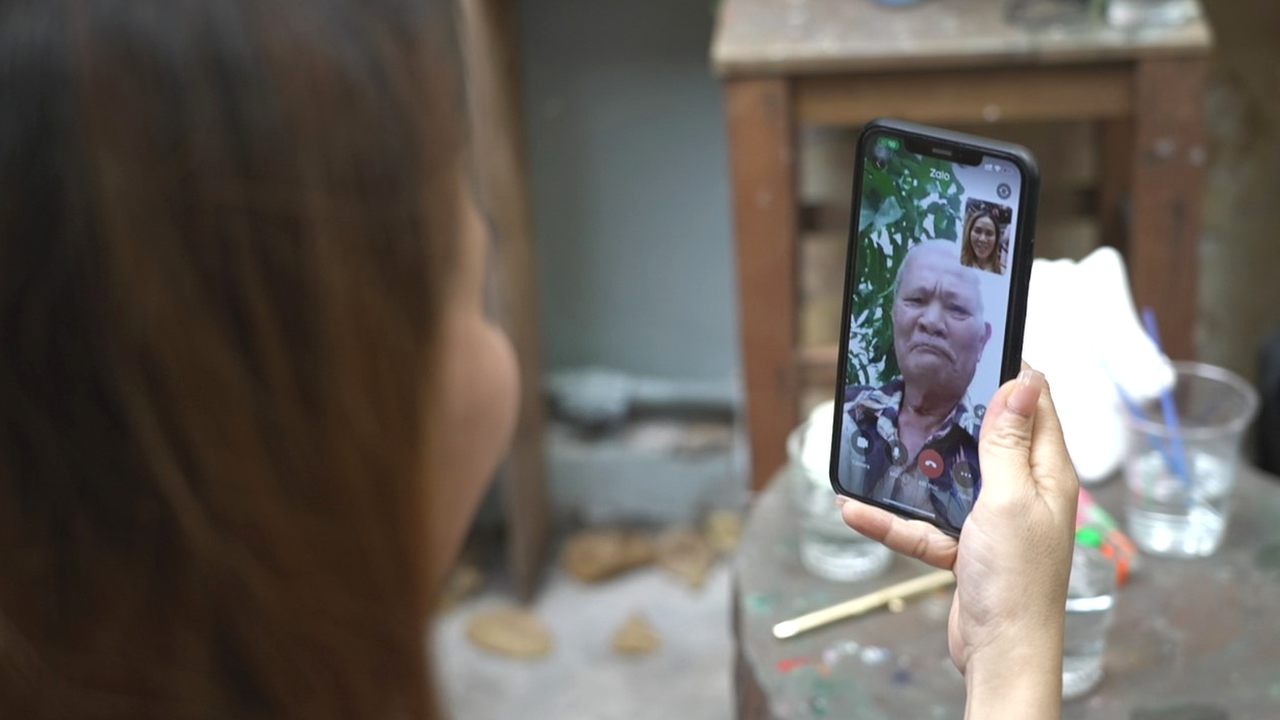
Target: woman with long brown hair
[249,398]
[240,301]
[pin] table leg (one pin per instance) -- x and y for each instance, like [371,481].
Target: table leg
[1115,164]
[493,68]
[1167,175]
[761,130]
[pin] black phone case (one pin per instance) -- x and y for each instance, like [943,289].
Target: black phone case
[1020,269]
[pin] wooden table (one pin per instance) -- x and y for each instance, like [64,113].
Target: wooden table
[787,63]
[1201,635]
[491,64]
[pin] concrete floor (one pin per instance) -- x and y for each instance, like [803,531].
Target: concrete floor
[582,678]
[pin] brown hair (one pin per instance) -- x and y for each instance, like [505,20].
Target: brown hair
[225,229]
[968,257]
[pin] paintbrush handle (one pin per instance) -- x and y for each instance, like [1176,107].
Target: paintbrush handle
[866,603]
[1177,453]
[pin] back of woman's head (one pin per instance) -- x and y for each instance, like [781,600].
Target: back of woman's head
[224,228]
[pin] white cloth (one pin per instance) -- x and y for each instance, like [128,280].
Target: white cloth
[815,445]
[1083,333]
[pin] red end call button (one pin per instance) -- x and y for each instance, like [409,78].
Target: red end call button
[930,463]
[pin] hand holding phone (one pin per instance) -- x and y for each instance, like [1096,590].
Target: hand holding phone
[940,250]
[1005,629]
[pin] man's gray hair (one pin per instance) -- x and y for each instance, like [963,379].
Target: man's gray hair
[946,248]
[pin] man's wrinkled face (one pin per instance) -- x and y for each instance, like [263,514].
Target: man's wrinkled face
[938,329]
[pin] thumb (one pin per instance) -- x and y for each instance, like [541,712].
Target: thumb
[1004,448]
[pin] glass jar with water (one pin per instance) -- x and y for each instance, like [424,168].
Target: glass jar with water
[1090,597]
[828,548]
[1137,14]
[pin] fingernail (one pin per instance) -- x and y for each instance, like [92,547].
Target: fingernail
[841,500]
[1026,392]
[1030,376]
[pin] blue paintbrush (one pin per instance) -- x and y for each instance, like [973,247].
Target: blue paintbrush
[1136,411]
[1177,453]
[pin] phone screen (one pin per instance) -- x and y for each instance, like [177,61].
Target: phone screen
[931,292]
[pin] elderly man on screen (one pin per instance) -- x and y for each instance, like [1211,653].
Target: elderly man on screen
[913,441]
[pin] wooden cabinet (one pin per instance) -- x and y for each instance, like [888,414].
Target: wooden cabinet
[839,63]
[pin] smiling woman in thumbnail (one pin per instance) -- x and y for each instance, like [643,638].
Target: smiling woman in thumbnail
[981,242]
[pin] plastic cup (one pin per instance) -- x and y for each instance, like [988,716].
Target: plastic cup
[1181,476]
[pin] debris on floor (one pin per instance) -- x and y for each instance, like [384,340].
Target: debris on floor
[509,631]
[723,530]
[465,581]
[636,637]
[701,439]
[685,553]
[583,676]
[599,554]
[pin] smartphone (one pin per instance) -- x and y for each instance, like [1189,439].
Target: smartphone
[941,239]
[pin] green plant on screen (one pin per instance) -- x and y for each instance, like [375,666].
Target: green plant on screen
[909,200]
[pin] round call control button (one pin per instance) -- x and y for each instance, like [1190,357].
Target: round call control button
[930,463]
[897,453]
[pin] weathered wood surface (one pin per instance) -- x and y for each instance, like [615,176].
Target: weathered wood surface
[787,37]
[1191,638]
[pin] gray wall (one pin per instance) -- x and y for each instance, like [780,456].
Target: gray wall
[629,187]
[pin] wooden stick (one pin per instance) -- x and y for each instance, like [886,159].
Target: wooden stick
[861,605]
